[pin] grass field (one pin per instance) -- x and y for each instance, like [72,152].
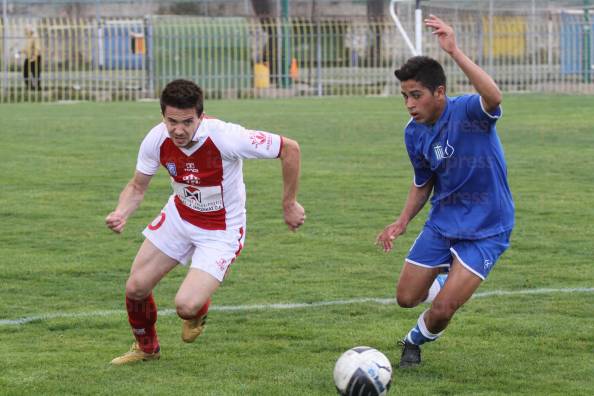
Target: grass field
[63,166]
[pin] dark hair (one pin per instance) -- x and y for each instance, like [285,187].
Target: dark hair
[423,69]
[182,94]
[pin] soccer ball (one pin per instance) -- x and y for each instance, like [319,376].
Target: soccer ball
[363,371]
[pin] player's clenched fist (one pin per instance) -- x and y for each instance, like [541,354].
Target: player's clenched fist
[115,222]
[294,215]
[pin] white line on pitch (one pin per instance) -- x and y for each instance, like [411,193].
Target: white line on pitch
[236,308]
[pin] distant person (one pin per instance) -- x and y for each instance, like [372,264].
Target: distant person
[458,160]
[32,62]
[204,220]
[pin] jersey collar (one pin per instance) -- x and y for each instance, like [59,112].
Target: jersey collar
[201,130]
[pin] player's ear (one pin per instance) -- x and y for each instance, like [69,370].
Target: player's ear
[440,91]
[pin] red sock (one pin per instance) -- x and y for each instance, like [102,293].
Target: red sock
[204,310]
[142,315]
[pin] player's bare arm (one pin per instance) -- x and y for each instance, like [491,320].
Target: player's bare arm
[291,163]
[130,199]
[417,197]
[482,82]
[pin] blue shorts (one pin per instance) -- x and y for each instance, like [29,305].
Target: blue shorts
[433,250]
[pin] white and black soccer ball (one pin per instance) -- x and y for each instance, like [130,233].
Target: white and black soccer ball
[363,371]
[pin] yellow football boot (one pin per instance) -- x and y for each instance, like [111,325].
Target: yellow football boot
[192,328]
[135,354]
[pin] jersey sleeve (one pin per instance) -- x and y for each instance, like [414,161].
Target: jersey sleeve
[148,155]
[422,169]
[242,143]
[476,111]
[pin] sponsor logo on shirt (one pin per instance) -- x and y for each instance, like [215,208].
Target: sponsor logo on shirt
[171,168]
[191,179]
[191,168]
[193,194]
[203,199]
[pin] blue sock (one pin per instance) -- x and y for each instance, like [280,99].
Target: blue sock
[419,334]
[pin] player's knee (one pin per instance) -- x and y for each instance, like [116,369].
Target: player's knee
[406,300]
[186,309]
[135,289]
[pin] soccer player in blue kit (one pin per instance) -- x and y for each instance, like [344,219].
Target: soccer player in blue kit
[456,155]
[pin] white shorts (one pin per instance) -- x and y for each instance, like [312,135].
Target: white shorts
[211,251]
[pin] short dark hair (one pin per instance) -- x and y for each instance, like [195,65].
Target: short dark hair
[423,69]
[182,94]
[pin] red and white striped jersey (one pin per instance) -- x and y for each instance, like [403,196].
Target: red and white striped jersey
[207,179]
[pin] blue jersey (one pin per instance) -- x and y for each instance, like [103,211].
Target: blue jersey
[462,152]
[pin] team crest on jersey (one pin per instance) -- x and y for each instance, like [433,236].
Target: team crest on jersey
[171,168]
[257,138]
[443,152]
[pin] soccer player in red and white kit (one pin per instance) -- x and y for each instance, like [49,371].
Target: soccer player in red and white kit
[203,221]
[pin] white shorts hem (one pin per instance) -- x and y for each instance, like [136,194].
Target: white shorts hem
[425,265]
[466,265]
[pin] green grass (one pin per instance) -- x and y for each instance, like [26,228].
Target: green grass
[63,167]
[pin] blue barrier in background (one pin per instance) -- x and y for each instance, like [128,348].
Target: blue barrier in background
[572,44]
[122,46]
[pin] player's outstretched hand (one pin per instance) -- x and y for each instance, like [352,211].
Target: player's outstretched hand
[386,238]
[294,215]
[115,222]
[444,32]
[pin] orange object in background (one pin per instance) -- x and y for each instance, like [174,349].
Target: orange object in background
[294,71]
[138,44]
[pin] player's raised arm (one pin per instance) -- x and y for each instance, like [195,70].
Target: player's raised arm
[130,199]
[482,82]
[290,156]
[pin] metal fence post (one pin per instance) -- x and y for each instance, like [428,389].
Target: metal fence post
[587,46]
[285,50]
[319,58]
[4,50]
[148,57]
